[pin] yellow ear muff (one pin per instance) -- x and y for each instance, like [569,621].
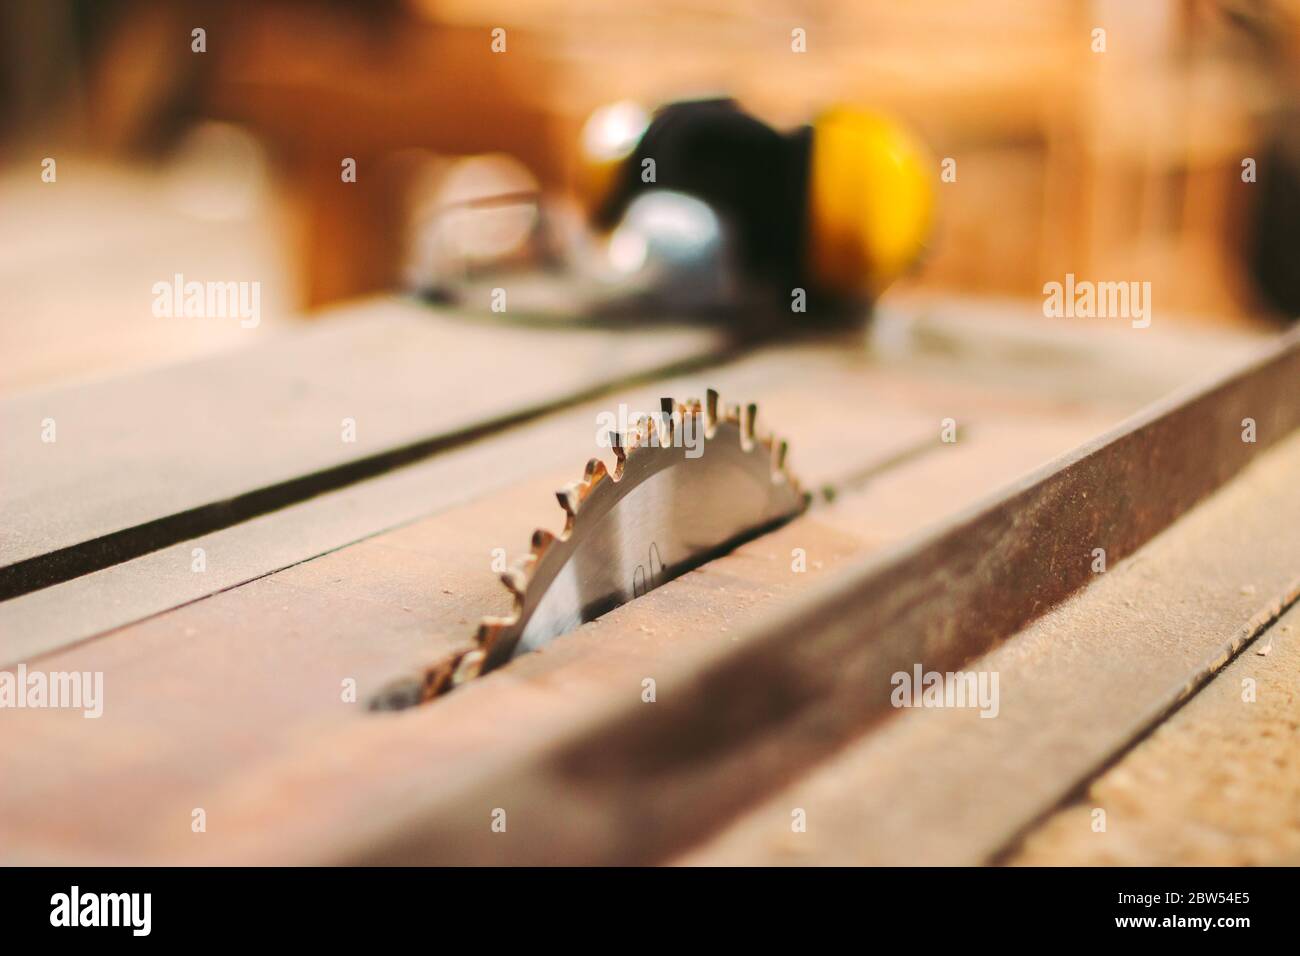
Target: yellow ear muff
[870,201]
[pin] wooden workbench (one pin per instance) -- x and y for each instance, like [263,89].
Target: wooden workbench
[330,564]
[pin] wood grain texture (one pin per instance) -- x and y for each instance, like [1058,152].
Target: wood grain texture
[150,460]
[268,657]
[1076,687]
[290,772]
[1217,784]
[560,443]
[916,360]
[232,703]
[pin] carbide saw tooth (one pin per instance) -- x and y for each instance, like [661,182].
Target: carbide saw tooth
[779,451]
[516,581]
[645,424]
[595,471]
[542,541]
[437,678]
[748,421]
[633,437]
[694,408]
[710,411]
[569,500]
[619,445]
[490,629]
[468,667]
[667,409]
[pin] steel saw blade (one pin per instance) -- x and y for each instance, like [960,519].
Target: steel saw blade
[688,484]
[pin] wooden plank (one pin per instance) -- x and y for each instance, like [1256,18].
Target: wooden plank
[636,780]
[942,352]
[1076,688]
[627,782]
[1217,784]
[559,445]
[922,340]
[232,703]
[147,461]
[269,656]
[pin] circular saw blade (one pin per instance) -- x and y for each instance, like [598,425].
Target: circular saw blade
[688,484]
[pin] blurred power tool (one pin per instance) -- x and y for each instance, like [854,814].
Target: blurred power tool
[702,209]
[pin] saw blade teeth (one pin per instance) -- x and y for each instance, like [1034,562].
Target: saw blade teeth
[667,410]
[490,629]
[647,426]
[436,678]
[497,637]
[516,581]
[693,407]
[619,444]
[780,449]
[569,500]
[468,667]
[542,541]
[635,434]
[595,472]
[748,422]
